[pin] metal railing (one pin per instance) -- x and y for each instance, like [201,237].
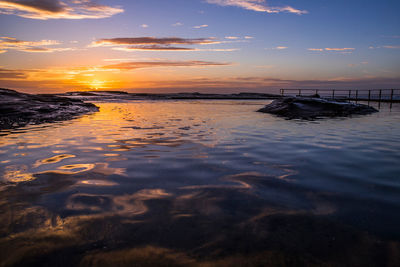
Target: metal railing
[368,95]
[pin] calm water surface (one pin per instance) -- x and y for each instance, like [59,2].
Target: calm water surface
[201,182]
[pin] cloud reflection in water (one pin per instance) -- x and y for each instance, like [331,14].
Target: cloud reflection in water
[193,183]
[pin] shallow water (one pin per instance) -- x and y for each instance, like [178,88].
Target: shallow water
[209,182]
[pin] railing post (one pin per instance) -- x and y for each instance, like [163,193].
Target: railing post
[299,92]
[282,92]
[349,94]
[369,96]
[333,93]
[356,96]
[380,97]
[391,98]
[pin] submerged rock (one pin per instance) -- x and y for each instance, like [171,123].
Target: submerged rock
[311,108]
[19,109]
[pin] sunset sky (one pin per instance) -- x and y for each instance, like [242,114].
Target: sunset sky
[198,45]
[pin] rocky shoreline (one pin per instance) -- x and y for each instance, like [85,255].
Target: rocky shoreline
[20,109]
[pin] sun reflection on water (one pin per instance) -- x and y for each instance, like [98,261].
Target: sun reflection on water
[17,173]
[53,159]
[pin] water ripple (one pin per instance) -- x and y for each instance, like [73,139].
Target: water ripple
[207,178]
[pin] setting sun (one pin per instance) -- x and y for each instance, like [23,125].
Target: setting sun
[97,84]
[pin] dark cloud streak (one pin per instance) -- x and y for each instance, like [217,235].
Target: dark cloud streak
[157,47]
[53,6]
[156,41]
[12,74]
[153,64]
[56,9]
[153,43]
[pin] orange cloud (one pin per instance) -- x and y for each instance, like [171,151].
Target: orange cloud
[257,5]
[56,9]
[339,49]
[122,76]
[316,49]
[153,64]
[84,77]
[10,43]
[200,26]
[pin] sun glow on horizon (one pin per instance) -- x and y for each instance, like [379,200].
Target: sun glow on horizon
[97,84]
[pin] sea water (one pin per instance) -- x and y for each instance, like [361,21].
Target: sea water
[201,181]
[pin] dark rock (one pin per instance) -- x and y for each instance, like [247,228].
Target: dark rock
[19,109]
[316,96]
[312,108]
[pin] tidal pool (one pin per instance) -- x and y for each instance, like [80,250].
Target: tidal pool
[210,183]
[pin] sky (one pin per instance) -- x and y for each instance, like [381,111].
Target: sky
[210,46]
